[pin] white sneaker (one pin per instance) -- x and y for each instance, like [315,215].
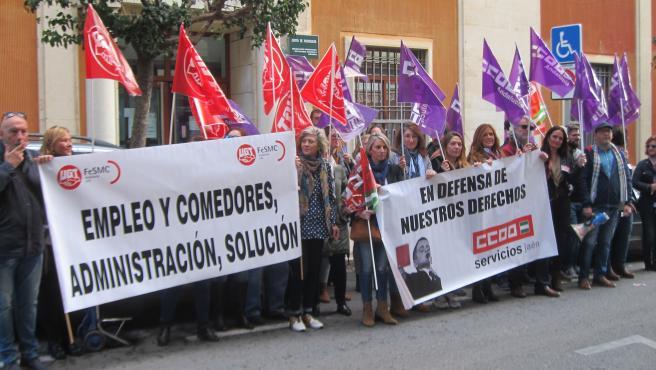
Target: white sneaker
[312,322]
[296,324]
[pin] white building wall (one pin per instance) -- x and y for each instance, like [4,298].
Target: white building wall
[502,23]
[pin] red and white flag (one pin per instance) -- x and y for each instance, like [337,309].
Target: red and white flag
[213,126]
[193,79]
[324,87]
[361,190]
[275,72]
[103,58]
[290,112]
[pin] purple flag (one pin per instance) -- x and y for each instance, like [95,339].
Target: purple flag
[358,118]
[345,87]
[616,94]
[354,60]
[589,93]
[431,119]
[546,70]
[243,122]
[498,90]
[415,85]
[453,116]
[301,68]
[518,76]
[632,104]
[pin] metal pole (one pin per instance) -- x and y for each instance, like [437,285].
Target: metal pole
[171,121]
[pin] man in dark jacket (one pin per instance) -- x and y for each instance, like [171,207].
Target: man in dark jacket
[608,180]
[425,281]
[21,244]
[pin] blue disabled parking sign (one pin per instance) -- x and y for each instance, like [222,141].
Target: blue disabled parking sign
[566,41]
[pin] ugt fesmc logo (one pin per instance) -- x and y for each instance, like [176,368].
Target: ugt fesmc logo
[499,235]
[103,52]
[70,177]
[247,154]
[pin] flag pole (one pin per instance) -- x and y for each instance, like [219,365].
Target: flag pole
[626,145]
[371,241]
[579,103]
[92,120]
[332,92]
[171,120]
[439,142]
[291,99]
[405,170]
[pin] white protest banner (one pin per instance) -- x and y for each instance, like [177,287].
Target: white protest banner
[465,225]
[135,221]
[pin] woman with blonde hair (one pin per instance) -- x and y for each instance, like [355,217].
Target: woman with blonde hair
[318,212]
[57,142]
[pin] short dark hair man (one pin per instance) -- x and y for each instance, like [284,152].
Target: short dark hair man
[21,244]
[425,281]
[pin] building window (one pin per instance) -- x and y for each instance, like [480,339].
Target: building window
[381,66]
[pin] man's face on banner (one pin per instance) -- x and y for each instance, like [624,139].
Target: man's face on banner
[422,255]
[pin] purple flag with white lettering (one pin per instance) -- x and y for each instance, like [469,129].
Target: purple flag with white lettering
[415,85]
[301,68]
[498,90]
[243,122]
[589,94]
[546,70]
[453,116]
[616,94]
[354,60]
[517,77]
[358,118]
[431,119]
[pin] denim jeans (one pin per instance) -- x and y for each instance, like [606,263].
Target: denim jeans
[19,289]
[366,271]
[620,243]
[275,279]
[597,244]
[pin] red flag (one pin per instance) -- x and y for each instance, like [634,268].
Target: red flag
[361,186]
[291,113]
[193,78]
[103,58]
[213,126]
[275,72]
[324,87]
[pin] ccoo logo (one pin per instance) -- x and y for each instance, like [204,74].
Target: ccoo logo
[246,154]
[69,177]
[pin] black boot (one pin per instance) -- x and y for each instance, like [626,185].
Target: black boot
[489,293]
[477,294]
[206,334]
[164,335]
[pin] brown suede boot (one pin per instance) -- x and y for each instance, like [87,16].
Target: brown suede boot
[382,312]
[367,315]
[397,308]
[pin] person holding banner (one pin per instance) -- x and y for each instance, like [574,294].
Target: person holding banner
[384,172]
[558,168]
[484,149]
[21,244]
[51,317]
[318,222]
[644,179]
[518,140]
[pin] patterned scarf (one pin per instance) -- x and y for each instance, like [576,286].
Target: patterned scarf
[306,183]
[596,169]
[379,170]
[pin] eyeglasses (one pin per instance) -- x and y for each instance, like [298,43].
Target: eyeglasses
[7,115]
[525,127]
[651,146]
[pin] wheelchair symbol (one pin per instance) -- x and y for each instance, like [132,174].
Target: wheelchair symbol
[563,48]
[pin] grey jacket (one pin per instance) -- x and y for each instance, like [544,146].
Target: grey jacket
[21,208]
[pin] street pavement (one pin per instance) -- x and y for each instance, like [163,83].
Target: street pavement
[602,328]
